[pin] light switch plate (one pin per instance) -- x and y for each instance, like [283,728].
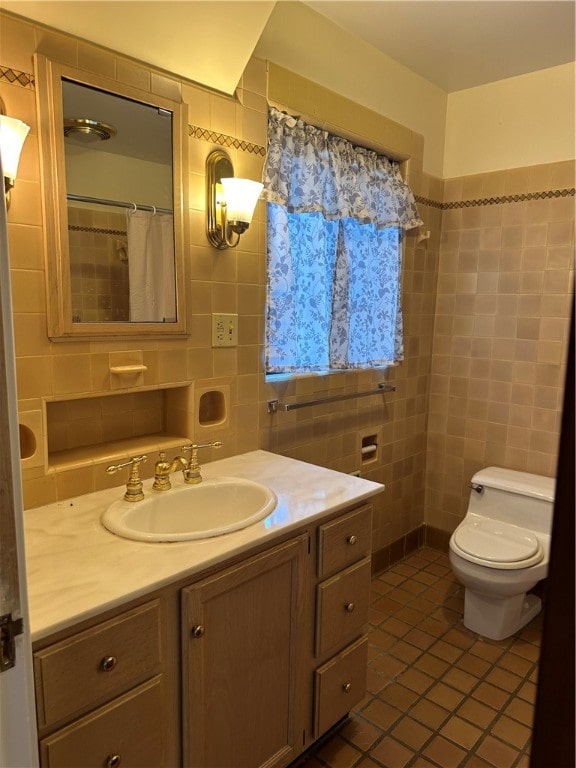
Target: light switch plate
[224,330]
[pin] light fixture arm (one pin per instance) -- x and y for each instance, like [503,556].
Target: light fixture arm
[225,227]
[8,186]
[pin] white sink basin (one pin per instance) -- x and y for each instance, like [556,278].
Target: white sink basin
[212,508]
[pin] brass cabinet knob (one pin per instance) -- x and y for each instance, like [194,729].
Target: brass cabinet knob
[347,687]
[113,761]
[349,607]
[352,539]
[108,663]
[198,630]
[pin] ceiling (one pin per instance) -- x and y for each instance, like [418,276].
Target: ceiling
[460,44]
[152,141]
[455,44]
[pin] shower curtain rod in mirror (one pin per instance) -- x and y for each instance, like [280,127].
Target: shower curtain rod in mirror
[117,204]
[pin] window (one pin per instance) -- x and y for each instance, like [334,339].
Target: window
[336,214]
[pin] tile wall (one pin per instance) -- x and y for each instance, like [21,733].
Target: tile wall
[98,265]
[234,281]
[505,285]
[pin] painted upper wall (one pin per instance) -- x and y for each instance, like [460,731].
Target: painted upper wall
[517,122]
[512,123]
[305,42]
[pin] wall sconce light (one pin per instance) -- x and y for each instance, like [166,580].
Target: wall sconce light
[230,202]
[12,135]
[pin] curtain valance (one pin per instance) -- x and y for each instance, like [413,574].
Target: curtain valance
[309,170]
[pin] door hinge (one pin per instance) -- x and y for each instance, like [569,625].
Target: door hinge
[9,628]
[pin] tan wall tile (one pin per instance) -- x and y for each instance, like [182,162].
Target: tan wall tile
[25,247]
[17,43]
[96,60]
[517,345]
[130,73]
[254,78]
[25,205]
[165,86]
[222,115]
[563,174]
[60,47]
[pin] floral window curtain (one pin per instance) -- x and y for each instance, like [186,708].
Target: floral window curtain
[336,214]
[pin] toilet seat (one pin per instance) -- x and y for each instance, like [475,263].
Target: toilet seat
[495,544]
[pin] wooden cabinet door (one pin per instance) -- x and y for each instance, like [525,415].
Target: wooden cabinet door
[240,662]
[126,732]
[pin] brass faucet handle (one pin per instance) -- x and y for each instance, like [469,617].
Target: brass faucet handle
[193,447]
[134,461]
[134,490]
[192,472]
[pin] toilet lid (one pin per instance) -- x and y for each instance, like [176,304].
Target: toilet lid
[497,544]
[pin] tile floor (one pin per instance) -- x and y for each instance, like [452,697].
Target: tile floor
[439,696]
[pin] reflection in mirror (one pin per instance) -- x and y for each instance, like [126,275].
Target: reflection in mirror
[118,156]
[118,207]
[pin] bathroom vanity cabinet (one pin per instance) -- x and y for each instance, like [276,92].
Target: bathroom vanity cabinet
[103,694]
[241,633]
[246,664]
[342,595]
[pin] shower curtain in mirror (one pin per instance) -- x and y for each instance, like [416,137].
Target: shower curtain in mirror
[151,267]
[336,214]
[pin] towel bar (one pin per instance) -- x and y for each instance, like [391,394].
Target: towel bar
[275,405]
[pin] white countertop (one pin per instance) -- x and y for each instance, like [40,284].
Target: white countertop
[76,568]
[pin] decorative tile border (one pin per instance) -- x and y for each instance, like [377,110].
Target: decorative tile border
[427,201]
[549,194]
[15,77]
[510,199]
[225,141]
[98,230]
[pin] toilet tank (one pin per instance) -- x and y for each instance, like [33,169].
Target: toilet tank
[518,498]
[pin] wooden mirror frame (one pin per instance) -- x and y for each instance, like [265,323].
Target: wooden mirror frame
[49,76]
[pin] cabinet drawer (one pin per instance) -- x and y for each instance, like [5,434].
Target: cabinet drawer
[93,666]
[127,732]
[342,606]
[344,541]
[339,685]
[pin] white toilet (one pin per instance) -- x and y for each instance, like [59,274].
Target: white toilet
[501,549]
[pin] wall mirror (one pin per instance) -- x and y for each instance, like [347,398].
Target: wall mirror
[114,164]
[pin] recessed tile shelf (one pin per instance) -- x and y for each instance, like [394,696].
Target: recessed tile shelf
[114,451]
[97,429]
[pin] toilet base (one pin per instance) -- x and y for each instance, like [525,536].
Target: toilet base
[497,618]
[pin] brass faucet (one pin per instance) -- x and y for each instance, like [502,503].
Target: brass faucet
[134,485]
[163,469]
[192,473]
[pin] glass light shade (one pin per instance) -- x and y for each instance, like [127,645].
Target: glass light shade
[241,196]
[12,135]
